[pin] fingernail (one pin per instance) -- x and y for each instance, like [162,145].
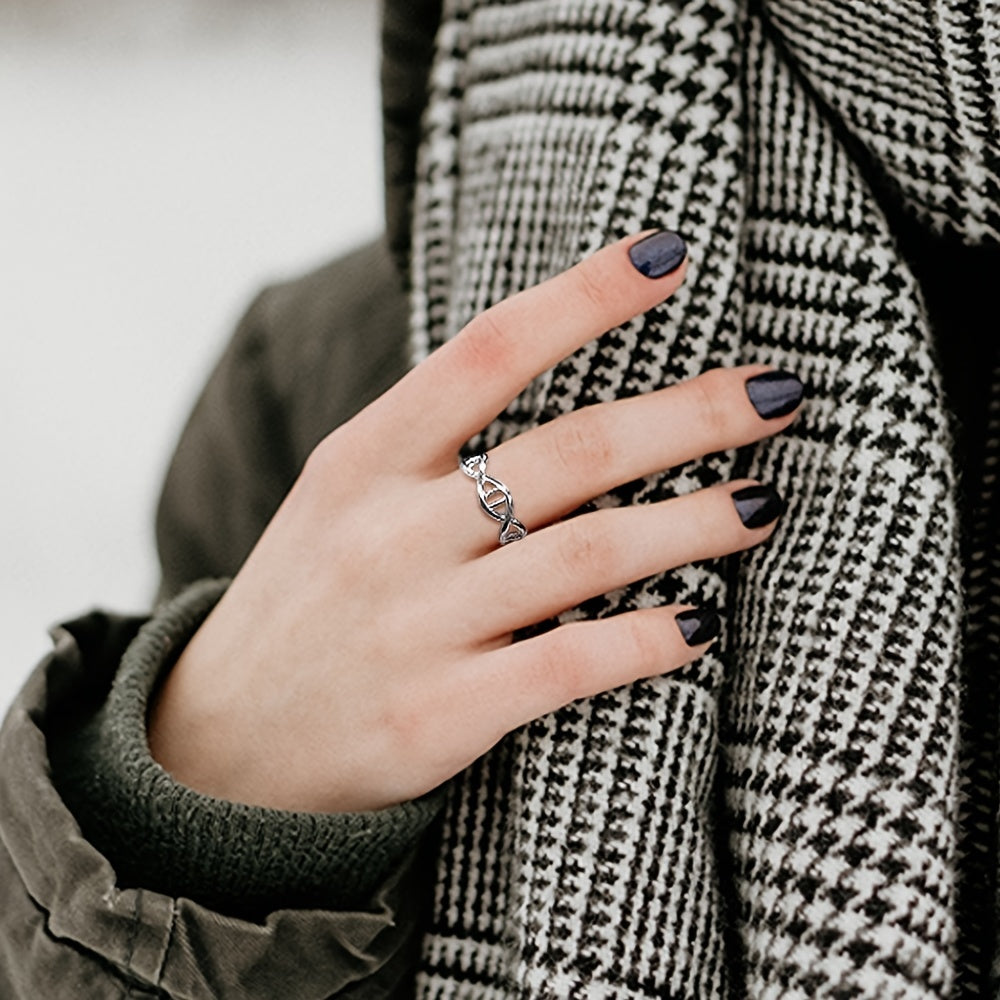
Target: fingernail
[774,394]
[758,505]
[658,254]
[699,625]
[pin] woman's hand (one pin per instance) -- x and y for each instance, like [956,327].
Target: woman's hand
[363,653]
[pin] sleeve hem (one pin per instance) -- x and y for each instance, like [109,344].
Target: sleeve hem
[227,855]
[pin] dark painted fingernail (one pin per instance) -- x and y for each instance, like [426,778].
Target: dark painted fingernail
[658,254]
[758,505]
[699,625]
[774,394]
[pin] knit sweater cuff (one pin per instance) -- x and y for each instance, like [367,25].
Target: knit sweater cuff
[237,858]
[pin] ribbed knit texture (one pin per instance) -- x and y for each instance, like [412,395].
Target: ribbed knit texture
[241,859]
[798,814]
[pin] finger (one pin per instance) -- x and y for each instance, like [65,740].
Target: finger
[528,679]
[463,385]
[553,469]
[557,568]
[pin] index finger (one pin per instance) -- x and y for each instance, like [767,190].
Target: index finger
[463,385]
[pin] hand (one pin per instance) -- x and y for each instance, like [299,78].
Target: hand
[363,653]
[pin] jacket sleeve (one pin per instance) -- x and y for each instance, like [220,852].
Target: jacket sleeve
[144,886]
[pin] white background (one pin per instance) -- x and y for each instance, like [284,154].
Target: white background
[159,161]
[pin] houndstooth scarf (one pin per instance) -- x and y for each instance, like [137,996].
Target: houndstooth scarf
[810,810]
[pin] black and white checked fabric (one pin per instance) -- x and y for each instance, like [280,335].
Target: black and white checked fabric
[810,811]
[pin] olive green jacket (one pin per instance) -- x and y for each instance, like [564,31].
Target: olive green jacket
[306,357]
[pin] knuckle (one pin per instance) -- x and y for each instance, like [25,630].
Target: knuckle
[709,516]
[317,482]
[712,522]
[402,725]
[322,460]
[566,666]
[335,473]
[586,545]
[597,289]
[710,392]
[643,646]
[582,443]
[485,344]
[338,457]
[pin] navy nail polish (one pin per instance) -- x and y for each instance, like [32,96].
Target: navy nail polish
[698,625]
[758,505]
[774,394]
[658,254]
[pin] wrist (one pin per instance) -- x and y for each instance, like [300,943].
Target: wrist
[214,733]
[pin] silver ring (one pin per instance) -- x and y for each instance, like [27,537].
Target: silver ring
[494,498]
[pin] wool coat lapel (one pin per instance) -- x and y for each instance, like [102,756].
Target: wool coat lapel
[782,818]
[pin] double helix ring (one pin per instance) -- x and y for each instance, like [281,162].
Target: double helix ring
[494,498]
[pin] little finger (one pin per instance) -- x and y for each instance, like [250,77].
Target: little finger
[523,681]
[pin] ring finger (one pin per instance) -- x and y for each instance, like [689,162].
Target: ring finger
[553,469]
